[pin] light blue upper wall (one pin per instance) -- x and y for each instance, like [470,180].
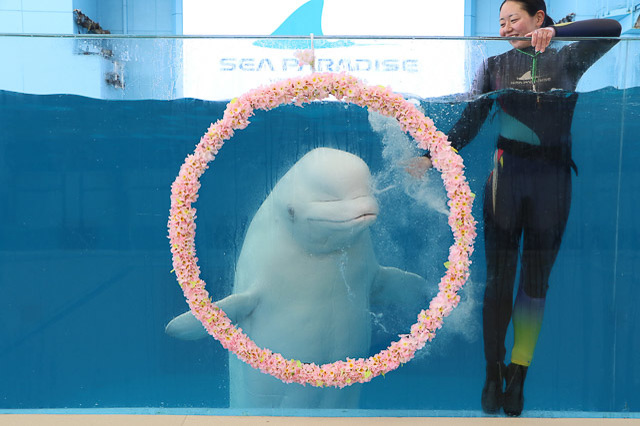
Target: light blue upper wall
[142,17]
[36,16]
[469,17]
[176,16]
[486,17]
[558,9]
[146,17]
[88,7]
[133,70]
[109,15]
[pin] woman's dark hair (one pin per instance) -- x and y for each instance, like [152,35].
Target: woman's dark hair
[532,7]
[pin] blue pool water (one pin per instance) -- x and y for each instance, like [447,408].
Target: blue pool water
[85,263]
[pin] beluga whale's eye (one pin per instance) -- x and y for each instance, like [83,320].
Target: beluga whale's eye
[292,212]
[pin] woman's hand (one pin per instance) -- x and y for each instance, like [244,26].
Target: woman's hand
[418,166]
[541,38]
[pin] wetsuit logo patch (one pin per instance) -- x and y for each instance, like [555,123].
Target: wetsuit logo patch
[525,80]
[526,76]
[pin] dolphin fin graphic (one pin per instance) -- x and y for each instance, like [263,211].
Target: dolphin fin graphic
[307,19]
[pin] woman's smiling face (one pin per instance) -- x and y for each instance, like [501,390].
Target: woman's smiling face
[516,22]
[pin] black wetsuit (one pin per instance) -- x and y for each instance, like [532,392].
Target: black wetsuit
[528,194]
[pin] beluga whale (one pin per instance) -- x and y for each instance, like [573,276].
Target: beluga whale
[306,279]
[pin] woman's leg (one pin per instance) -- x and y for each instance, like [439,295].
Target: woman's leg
[501,250]
[527,322]
[503,224]
[545,218]
[502,231]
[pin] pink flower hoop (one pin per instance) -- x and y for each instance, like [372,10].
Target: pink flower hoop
[318,86]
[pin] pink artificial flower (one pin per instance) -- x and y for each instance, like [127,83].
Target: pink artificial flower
[305,57]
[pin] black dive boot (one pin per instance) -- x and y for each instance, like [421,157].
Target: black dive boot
[513,394]
[492,390]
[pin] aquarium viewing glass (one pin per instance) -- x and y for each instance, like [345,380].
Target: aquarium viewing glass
[94,130]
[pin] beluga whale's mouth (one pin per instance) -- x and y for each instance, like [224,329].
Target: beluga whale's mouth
[364,217]
[358,211]
[360,218]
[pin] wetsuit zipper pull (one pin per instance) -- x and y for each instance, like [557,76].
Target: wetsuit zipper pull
[534,71]
[533,74]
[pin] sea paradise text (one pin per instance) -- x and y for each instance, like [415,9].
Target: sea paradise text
[322,65]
